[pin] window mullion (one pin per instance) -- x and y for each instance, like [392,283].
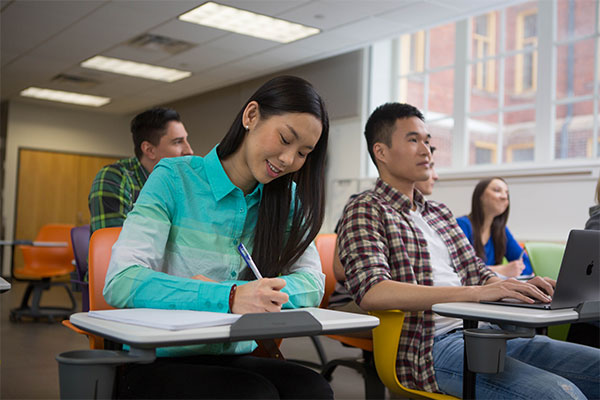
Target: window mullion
[460,135]
[426,75]
[596,77]
[501,78]
[546,89]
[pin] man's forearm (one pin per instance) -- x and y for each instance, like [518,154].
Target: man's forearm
[388,295]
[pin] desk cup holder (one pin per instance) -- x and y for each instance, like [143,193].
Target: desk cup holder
[89,374]
[486,349]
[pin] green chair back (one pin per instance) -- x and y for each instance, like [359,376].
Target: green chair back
[545,258]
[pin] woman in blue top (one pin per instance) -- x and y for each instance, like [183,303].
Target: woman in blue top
[262,186]
[486,229]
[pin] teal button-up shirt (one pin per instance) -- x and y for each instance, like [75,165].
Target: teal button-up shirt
[188,220]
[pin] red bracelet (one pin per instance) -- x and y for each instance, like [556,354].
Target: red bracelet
[231,295]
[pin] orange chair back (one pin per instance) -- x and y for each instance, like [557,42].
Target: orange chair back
[101,244]
[325,243]
[42,262]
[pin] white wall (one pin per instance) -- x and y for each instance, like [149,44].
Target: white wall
[57,129]
[545,203]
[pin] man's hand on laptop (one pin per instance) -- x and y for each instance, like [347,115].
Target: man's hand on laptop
[536,289]
[544,283]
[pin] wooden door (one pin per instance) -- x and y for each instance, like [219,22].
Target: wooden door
[53,187]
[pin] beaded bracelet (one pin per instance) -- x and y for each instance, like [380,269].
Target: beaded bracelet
[231,295]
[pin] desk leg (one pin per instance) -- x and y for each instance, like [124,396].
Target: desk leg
[468,376]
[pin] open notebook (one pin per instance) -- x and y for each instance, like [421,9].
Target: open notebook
[166,319]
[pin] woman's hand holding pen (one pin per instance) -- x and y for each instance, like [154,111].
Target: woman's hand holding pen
[512,269]
[262,295]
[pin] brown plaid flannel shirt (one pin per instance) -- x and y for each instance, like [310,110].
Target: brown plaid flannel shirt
[378,241]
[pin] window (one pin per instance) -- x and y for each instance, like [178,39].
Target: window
[519,152]
[512,107]
[424,77]
[576,92]
[485,153]
[526,62]
[417,51]
[484,45]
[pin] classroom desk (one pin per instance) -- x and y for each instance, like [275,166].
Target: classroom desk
[471,313]
[289,323]
[32,243]
[259,326]
[4,285]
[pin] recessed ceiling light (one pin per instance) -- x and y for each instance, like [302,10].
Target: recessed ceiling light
[132,68]
[247,23]
[65,97]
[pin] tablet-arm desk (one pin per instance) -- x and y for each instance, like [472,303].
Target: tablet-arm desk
[484,350]
[90,373]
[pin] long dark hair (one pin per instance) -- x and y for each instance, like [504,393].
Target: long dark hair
[275,248]
[497,229]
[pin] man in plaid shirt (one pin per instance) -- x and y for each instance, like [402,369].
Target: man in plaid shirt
[157,133]
[401,251]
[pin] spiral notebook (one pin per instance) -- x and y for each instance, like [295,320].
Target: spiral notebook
[172,320]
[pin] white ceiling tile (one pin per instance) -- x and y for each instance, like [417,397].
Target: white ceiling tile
[243,45]
[188,32]
[470,5]
[27,71]
[7,57]
[327,41]
[371,29]
[33,22]
[208,56]
[107,27]
[420,14]
[159,9]
[333,13]
[266,7]
[135,54]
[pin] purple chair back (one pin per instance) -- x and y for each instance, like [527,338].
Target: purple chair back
[80,237]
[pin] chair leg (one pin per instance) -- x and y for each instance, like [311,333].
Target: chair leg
[320,350]
[34,291]
[27,295]
[374,388]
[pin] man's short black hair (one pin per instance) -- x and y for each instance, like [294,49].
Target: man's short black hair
[380,125]
[151,126]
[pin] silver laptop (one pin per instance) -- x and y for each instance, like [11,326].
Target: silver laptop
[579,277]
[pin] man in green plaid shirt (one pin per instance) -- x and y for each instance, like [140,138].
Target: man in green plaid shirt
[157,133]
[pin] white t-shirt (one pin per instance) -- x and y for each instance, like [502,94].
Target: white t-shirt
[443,271]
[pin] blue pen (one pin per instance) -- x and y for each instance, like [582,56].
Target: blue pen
[249,261]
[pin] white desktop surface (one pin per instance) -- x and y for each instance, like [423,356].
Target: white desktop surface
[145,337]
[527,317]
[4,285]
[32,243]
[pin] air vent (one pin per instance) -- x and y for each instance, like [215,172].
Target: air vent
[159,43]
[75,81]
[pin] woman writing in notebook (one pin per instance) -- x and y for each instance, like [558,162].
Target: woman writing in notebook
[262,186]
[486,229]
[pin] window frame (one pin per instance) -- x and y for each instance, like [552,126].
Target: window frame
[520,87]
[488,66]
[543,101]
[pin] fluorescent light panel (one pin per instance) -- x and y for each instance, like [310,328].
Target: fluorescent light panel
[247,23]
[132,68]
[65,97]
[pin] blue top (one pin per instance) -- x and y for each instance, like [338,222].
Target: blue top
[513,249]
[189,219]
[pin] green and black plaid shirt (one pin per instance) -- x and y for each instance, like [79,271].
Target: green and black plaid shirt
[114,191]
